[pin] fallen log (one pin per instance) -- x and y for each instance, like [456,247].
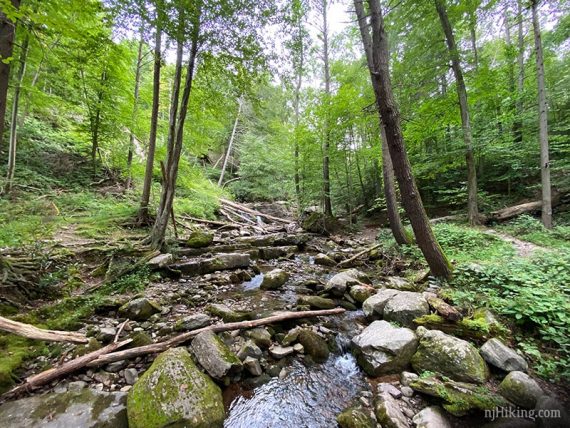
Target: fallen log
[353,258]
[49,375]
[32,332]
[240,207]
[516,210]
[444,309]
[219,224]
[180,339]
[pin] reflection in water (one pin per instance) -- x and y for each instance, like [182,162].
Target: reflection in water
[307,397]
[253,283]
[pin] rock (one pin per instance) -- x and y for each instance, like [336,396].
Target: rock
[500,355]
[139,338]
[139,309]
[160,261]
[324,260]
[78,408]
[361,292]
[199,239]
[398,283]
[274,279]
[521,389]
[131,376]
[227,314]
[260,336]
[249,349]
[300,349]
[316,302]
[407,391]
[213,354]
[404,307]
[551,413]
[91,346]
[193,322]
[355,417]
[373,307]
[388,412]
[77,385]
[116,366]
[407,377]
[459,397]
[279,352]
[317,222]
[382,348]
[441,353]
[314,345]
[291,336]
[390,389]
[107,334]
[225,262]
[269,253]
[252,366]
[339,284]
[174,392]
[431,417]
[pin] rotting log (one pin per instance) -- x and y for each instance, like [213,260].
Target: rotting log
[32,332]
[444,309]
[357,255]
[180,339]
[69,367]
[241,207]
[525,208]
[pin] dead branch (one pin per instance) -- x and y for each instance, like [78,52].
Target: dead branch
[32,332]
[180,339]
[444,309]
[353,258]
[47,376]
[240,207]
[212,222]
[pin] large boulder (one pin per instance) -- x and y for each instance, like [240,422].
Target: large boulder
[551,413]
[521,389]
[314,345]
[404,307]
[174,392]
[260,335]
[388,412]
[355,417]
[324,260]
[213,354]
[361,292]
[340,283]
[160,261]
[500,355]
[225,262]
[459,397]
[274,279]
[382,348]
[199,239]
[227,314]
[452,357]
[373,307]
[316,302]
[431,417]
[139,309]
[79,408]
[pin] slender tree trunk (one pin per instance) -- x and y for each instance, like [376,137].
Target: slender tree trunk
[473,36]
[387,168]
[96,122]
[518,125]
[390,116]
[326,147]
[7,32]
[169,185]
[472,210]
[542,122]
[230,145]
[297,116]
[135,110]
[14,118]
[145,198]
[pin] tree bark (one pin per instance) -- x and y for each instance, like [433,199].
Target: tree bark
[518,125]
[390,116]
[14,118]
[230,145]
[472,210]
[145,198]
[297,116]
[327,136]
[32,332]
[542,122]
[135,110]
[7,32]
[175,146]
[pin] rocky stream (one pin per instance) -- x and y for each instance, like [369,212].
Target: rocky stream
[375,365]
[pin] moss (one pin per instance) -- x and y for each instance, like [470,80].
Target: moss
[13,350]
[199,239]
[355,417]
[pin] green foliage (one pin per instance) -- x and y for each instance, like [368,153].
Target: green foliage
[531,229]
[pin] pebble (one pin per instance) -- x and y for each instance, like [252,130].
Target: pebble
[297,347]
[116,367]
[131,376]
[60,389]
[407,391]
[76,385]
[126,388]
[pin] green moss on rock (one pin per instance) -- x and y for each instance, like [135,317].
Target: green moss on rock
[199,239]
[355,417]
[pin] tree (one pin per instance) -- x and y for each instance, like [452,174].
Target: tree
[542,121]
[472,210]
[7,32]
[390,116]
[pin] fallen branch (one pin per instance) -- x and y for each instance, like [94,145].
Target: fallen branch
[444,309]
[240,207]
[178,340]
[32,332]
[353,258]
[212,222]
[47,376]
[516,210]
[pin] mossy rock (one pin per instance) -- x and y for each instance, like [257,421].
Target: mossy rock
[139,338]
[314,345]
[139,309]
[317,222]
[227,314]
[91,346]
[199,239]
[174,392]
[316,302]
[355,417]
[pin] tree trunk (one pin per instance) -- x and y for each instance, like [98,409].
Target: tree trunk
[14,118]
[297,116]
[473,36]
[230,145]
[518,125]
[96,123]
[135,109]
[390,116]
[472,210]
[175,149]
[145,198]
[326,147]
[7,32]
[542,122]
[387,168]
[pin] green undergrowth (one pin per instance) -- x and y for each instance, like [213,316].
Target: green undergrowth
[530,229]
